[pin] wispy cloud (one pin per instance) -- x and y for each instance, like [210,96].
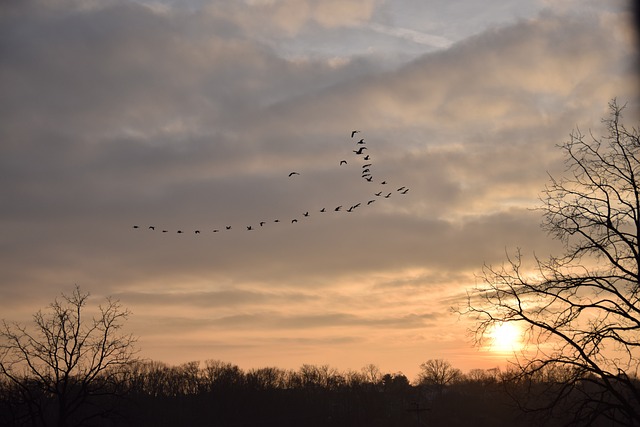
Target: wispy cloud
[121,114]
[414,36]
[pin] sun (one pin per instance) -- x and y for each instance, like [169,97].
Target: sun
[505,337]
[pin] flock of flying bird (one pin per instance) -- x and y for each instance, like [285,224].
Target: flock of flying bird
[366,175]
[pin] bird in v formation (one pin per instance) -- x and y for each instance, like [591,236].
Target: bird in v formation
[366,175]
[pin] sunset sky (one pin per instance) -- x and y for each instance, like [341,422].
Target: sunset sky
[190,115]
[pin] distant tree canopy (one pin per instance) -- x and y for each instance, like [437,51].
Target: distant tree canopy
[581,310]
[217,393]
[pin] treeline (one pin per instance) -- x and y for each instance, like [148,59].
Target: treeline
[216,393]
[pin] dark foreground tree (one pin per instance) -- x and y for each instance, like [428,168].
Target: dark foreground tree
[581,310]
[66,367]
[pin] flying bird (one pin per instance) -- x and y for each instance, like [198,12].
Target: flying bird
[366,174]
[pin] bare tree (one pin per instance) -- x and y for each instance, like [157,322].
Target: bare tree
[581,309]
[66,366]
[438,373]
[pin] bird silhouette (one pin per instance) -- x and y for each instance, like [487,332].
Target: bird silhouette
[366,174]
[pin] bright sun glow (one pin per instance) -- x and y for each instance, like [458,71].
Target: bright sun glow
[506,337]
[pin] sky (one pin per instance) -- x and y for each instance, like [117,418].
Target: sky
[190,115]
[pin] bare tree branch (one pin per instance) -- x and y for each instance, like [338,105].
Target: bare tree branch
[65,360]
[581,309]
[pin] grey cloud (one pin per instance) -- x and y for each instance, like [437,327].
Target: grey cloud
[212,299]
[115,115]
[294,322]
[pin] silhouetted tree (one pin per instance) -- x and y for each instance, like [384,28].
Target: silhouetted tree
[437,374]
[372,374]
[66,366]
[581,309]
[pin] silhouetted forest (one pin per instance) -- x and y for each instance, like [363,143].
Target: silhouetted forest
[216,393]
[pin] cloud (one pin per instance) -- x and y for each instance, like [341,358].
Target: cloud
[290,17]
[120,114]
[411,35]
